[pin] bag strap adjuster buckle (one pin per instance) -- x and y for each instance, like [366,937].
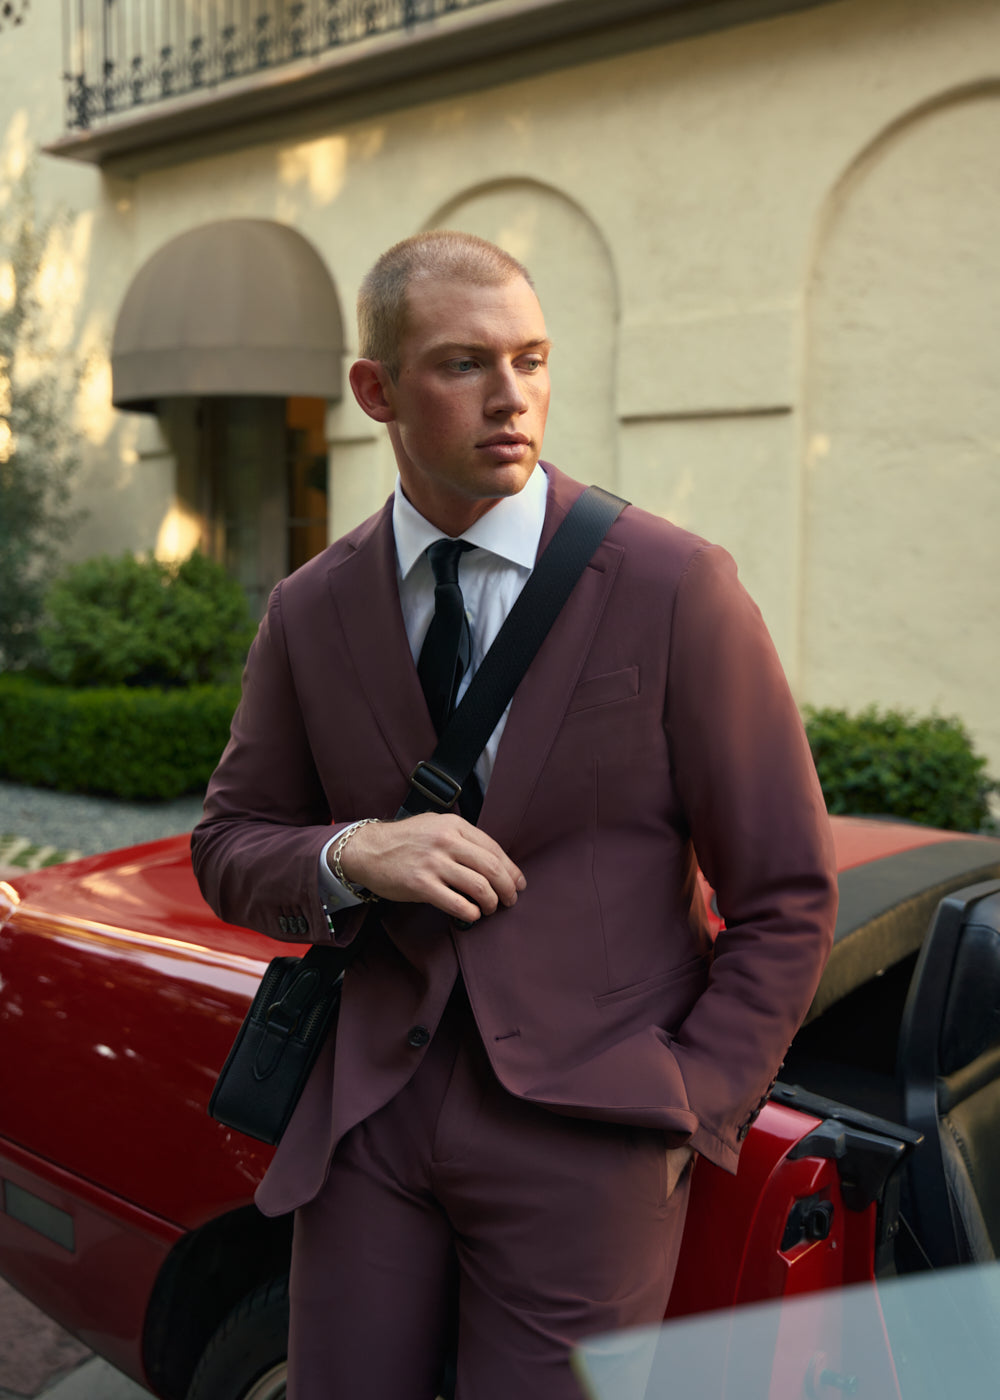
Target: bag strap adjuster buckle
[436,785]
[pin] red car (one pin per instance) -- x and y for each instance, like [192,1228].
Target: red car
[127,1212]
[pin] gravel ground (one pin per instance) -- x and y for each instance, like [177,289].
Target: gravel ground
[69,821]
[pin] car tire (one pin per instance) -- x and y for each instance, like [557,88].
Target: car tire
[246,1357]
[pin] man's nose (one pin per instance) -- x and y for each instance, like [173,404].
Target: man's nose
[506,392]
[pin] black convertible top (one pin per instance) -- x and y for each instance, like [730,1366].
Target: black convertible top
[886,907]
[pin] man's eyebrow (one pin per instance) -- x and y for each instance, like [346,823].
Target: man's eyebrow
[448,346]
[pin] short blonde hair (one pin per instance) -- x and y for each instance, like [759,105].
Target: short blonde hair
[444,253]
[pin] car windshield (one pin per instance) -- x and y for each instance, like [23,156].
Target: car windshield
[923,1337]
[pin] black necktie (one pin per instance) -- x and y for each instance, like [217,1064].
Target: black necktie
[447,648]
[447,652]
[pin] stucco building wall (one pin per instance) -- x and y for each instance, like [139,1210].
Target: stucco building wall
[768,259]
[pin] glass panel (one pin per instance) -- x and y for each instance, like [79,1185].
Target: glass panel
[307,479]
[925,1337]
[244,446]
[264,471]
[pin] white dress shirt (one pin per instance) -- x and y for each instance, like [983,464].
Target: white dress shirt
[491,577]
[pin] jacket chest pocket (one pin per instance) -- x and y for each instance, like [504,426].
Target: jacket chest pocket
[608,689]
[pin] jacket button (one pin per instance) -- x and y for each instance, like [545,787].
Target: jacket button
[283,924]
[301,925]
[418,1037]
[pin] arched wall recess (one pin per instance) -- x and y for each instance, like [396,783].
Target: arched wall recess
[901,492]
[572,270]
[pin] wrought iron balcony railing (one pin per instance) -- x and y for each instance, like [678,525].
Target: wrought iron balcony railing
[126,54]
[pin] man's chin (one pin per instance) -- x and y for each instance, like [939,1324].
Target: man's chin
[503,479]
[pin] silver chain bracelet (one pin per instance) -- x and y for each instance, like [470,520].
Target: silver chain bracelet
[359,891]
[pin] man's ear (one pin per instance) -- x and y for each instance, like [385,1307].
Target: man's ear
[373,389]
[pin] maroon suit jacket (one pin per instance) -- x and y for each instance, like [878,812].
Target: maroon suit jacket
[655,723]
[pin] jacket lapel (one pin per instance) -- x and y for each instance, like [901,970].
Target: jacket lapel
[541,699]
[365,595]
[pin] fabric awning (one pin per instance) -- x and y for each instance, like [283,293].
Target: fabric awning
[237,307]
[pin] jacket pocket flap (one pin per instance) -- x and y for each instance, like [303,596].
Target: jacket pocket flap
[674,976]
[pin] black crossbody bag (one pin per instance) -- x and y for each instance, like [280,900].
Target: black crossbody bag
[297,1000]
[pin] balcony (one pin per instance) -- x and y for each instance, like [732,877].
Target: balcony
[122,55]
[149,81]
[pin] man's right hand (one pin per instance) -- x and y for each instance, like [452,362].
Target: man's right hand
[433,859]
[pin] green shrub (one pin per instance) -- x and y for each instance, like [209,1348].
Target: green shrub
[123,742]
[895,764]
[139,622]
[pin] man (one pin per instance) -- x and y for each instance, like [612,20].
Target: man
[537,1036]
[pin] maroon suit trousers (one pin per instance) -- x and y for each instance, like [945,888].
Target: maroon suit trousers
[457,1199]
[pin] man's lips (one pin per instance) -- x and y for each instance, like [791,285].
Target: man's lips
[504,440]
[505,447]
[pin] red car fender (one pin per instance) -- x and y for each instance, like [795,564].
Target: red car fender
[89,1258]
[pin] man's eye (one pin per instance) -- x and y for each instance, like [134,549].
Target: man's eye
[535,363]
[464,365]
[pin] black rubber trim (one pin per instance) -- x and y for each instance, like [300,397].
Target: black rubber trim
[823,1108]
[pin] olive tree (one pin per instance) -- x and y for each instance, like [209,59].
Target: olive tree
[37,460]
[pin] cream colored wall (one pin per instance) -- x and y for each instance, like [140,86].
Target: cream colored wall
[722,234]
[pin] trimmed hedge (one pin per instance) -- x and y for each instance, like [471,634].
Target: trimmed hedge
[117,742]
[894,764]
[152,744]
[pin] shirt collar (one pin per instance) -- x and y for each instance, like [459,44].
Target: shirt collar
[511,529]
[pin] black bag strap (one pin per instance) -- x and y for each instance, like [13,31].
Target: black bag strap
[436,783]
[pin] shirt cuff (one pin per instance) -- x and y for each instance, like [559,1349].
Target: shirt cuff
[334,895]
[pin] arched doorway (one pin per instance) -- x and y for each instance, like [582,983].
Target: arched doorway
[232,335]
